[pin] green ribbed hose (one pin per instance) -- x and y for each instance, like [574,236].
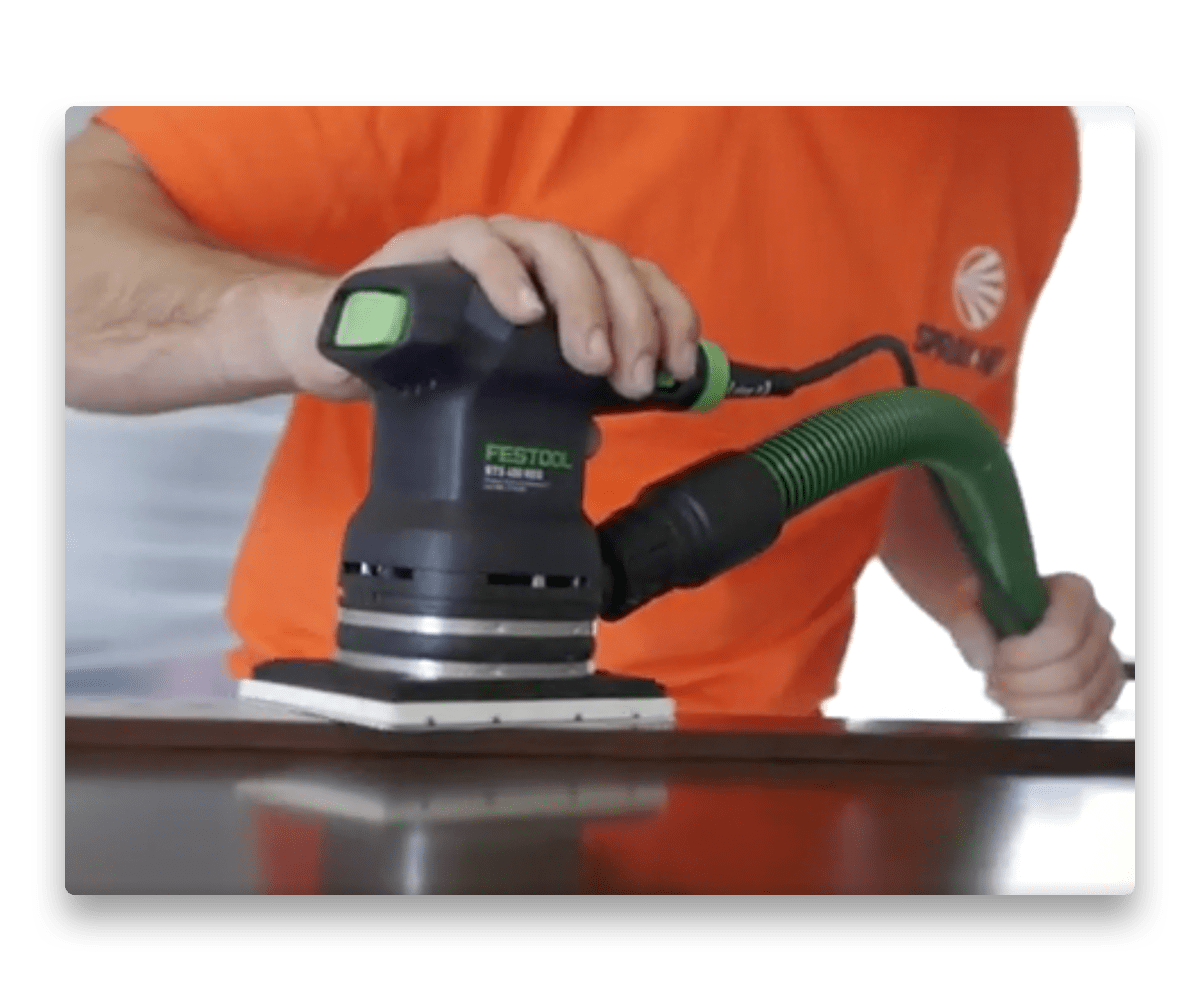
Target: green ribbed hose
[840,446]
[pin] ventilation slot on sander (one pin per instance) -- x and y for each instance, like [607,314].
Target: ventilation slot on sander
[384,572]
[537,581]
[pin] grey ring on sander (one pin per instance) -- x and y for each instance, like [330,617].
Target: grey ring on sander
[484,627]
[441,670]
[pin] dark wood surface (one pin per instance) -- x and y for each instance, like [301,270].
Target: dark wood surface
[186,791]
[988,747]
[157,821]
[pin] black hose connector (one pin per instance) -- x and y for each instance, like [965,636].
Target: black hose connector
[687,529]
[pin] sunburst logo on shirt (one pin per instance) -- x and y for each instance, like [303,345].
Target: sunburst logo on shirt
[979,287]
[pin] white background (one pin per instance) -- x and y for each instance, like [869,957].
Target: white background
[155,506]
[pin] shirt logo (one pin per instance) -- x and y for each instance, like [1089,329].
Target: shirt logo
[962,352]
[979,287]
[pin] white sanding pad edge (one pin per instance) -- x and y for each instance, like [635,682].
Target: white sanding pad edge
[478,715]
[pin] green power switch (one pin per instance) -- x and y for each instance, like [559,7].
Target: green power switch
[372,319]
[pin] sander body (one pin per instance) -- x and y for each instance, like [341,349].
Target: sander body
[471,580]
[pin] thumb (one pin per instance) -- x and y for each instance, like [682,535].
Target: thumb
[971,631]
[976,641]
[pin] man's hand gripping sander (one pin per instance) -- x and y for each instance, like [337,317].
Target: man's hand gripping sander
[471,580]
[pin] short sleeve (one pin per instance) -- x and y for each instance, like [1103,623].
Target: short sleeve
[278,180]
[1044,174]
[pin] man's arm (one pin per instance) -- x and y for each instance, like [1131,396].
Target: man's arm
[159,316]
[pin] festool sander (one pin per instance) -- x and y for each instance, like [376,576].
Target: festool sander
[471,580]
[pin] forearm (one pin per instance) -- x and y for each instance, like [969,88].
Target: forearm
[158,316]
[921,552]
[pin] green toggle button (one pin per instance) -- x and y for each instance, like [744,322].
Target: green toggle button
[372,319]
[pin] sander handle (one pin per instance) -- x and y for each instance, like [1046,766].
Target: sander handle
[410,325]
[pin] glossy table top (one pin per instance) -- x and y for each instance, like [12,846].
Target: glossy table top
[172,786]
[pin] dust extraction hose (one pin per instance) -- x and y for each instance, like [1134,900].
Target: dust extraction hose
[704,520]
[900,427]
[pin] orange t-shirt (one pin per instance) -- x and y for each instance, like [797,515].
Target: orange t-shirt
[795,231]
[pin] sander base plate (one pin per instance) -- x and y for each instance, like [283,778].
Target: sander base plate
[380,700]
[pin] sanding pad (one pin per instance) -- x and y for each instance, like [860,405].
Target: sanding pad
[383,700]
